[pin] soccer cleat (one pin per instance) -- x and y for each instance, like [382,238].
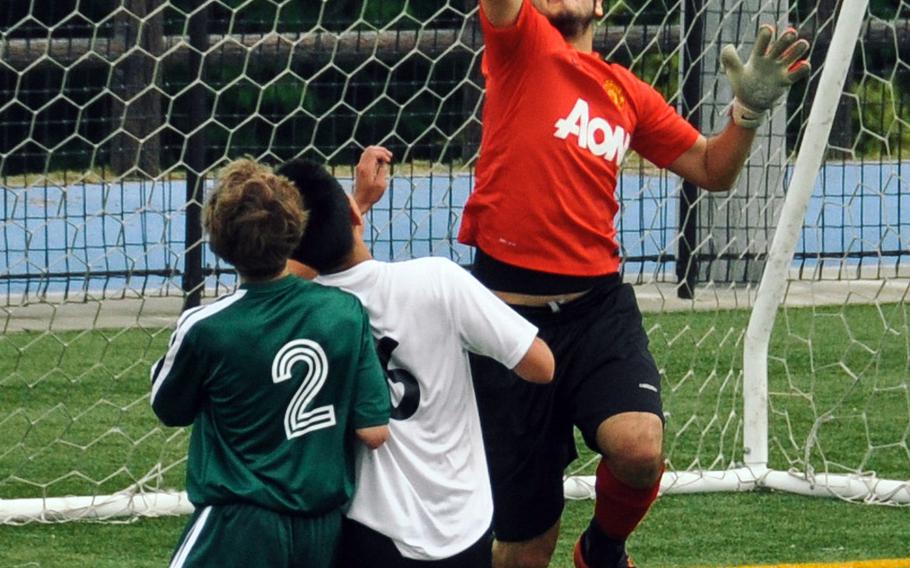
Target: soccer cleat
[577,557]
[625,561]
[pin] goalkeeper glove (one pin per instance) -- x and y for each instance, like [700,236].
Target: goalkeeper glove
[767,74]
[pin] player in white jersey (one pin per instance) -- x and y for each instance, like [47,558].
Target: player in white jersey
[424,498]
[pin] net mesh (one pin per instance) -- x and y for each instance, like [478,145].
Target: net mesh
[114,111]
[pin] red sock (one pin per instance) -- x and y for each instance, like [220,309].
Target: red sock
[619,508]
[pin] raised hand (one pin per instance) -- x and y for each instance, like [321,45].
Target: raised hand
[371,176]
[772,67]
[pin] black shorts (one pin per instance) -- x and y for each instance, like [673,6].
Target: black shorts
[603,368]
[362,547]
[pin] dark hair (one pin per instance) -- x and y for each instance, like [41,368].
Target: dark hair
[254,219]
[328,239]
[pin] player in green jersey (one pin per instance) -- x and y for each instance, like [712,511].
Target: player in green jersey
[279,380]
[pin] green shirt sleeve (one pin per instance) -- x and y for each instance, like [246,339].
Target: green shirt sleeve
[371,392]
[177,382]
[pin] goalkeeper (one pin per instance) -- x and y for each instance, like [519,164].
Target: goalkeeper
[557,123]
[423,499]
[277,379]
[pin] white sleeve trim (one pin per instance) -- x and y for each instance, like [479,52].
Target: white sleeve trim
[184,324]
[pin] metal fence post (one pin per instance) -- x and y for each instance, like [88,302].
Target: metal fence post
[195,159]
[691,65]
[140,29]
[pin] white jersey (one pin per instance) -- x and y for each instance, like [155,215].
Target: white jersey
[427,488]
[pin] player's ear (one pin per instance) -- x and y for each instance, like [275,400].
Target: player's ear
[599,8]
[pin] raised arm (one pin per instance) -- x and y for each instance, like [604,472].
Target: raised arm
[371,177]
[501,13]
[538,364]
[714,163]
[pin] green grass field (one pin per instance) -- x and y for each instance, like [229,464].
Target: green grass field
[681,531]
[74,419]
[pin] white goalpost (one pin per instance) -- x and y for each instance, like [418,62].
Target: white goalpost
[789,369]
[771,292]
[773,288]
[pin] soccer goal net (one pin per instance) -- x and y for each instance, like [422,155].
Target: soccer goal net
[777,312]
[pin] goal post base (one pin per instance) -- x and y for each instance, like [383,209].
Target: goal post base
[578,487]
[866,489]
[99,507]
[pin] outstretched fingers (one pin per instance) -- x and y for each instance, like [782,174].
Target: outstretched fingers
[798,71]
[773,66]
[783,43]
[762,39]
[731,61]
[795,52]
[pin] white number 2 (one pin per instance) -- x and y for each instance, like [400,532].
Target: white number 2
[297,419]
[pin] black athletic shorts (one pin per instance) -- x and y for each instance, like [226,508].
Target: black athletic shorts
[362,547]
[603,368]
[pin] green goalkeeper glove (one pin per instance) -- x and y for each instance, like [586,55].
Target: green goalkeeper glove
[767,74]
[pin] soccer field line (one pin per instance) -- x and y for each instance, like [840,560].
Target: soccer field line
[882,563]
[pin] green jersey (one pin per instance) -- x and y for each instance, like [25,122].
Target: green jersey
[274,379]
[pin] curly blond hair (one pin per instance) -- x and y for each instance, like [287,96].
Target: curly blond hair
[254,218]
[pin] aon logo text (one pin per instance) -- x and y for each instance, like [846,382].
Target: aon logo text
[594,134]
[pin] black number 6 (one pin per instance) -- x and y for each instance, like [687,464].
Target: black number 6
[410,400]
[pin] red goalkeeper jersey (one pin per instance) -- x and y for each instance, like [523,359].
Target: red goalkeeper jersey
[557,124]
